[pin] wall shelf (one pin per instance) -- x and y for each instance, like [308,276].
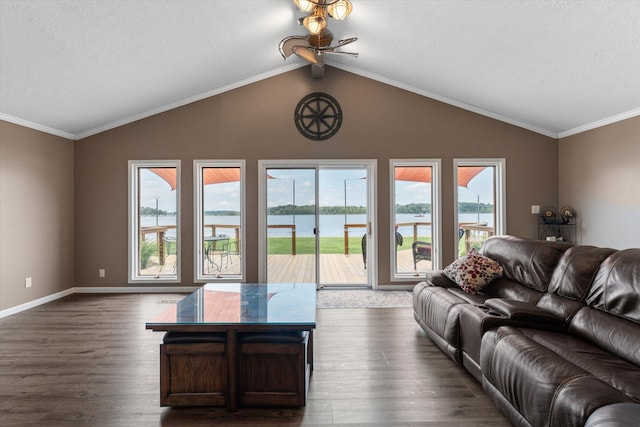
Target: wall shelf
[562,231]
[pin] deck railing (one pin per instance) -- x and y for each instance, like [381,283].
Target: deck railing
[161,233]
[292,227]
[475,234]
[346,235]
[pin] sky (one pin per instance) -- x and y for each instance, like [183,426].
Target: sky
[333,183]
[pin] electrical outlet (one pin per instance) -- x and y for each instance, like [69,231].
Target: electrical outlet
[27,282]
[535,209]
[102,273]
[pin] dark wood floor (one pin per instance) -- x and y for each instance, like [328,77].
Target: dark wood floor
[88,360]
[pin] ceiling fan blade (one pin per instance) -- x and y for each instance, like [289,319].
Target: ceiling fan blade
[288,43]
[308,54]
[341,53]
[344,42]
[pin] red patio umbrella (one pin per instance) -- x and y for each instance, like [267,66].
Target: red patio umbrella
[423,174]
[211,175]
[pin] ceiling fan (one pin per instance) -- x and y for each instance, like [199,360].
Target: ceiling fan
[315,45]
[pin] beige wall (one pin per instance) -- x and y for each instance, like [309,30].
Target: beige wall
[256,122]
[600,178]
[36,214]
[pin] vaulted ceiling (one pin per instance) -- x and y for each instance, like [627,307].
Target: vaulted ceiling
[75,68]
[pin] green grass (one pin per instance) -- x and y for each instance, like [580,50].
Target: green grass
[328,245]
[306,245]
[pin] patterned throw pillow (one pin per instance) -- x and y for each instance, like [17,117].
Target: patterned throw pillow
[473,271]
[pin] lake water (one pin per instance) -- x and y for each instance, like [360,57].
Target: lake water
[330,225]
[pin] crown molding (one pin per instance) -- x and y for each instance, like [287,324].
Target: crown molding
[35,126]
[600,123]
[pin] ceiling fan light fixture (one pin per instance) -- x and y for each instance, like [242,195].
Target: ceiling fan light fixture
[314,23]
[305,5]
[340,9]
[313,47]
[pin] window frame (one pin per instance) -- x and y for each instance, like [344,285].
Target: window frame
[500,166]
[198,166]
[436,215]
[133,221]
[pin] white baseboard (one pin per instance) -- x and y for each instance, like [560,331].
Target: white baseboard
[98,290]
[136,290]
[35,303]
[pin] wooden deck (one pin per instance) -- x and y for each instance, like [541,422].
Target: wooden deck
[335,269]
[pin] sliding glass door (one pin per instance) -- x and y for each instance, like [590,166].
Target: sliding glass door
[316,224]
[343,227]
[291,225]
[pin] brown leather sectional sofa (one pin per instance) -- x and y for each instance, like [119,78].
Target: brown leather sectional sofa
[555,340]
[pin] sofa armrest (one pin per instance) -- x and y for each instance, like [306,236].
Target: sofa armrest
[615,415]
[522,311]
[436,278]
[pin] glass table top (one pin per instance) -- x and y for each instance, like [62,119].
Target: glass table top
[244,304]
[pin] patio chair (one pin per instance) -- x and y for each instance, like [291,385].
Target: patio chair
[168,242]
[422,250]
[364,250]
[217,247]
[399,241]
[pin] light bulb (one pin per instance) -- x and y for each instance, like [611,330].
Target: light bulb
[305,5]
[340,9]
[314,24]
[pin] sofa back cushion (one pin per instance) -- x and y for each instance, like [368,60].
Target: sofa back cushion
[510,289]
[572,279]
[611,319]
[576,270]
[528,262]
[616,287]
[612,333]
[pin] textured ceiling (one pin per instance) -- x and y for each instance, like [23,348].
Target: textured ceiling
[75,68]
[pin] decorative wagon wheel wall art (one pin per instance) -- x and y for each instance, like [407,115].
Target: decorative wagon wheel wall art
[318,116]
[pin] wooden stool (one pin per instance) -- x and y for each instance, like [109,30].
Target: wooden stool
[274,368]
[193,369]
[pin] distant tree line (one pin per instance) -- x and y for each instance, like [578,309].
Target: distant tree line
[472,207]
[311,210]
[412,208]
[222,213]
[146,211]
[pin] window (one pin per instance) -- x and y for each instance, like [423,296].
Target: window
[415,217]
[220,222]
[154,218]
[480,201]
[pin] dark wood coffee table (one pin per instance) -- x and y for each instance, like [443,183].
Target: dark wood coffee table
[238,344]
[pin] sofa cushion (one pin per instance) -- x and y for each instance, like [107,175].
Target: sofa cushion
[510,289]
[616,287]
[529,262]
[611,333]
[543,386]
[576,270]
[615,415]
[524,372]
[473,271]
[607,367]
[571,280]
